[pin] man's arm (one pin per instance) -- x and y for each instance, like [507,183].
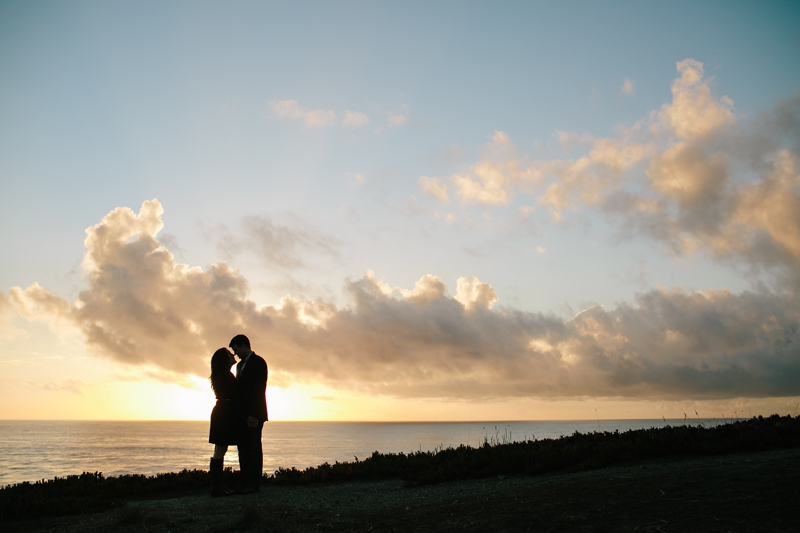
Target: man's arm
[257,390]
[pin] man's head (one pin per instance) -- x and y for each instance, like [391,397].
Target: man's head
[240,346]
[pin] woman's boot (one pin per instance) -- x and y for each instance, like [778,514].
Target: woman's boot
[217,488]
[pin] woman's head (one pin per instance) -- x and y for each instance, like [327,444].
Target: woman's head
[221,361]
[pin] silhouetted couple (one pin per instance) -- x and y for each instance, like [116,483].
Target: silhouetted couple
[239,415]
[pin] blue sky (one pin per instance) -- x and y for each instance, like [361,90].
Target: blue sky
[292,142]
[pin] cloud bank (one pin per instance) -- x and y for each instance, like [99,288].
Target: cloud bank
[142,308]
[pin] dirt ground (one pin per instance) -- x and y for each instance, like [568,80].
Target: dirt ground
[732,493]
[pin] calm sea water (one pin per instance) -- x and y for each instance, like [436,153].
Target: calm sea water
[34,450]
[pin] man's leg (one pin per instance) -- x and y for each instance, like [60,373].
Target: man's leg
[251,459]
[256,461]
[244,460]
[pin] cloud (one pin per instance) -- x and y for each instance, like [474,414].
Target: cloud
[491,180]
[319,118]
[278,246]
[287,109]
[291,109]
[627,87]
[354,119]
[395,121]
[37,303]
[7,330]
[473,293]
[569,140]
[142,308]
[434,187]
[691,175]
[399,118]
[694,113]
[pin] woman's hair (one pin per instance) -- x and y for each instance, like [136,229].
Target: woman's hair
[220,365]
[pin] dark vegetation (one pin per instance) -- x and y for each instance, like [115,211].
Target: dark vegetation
[92,492]
[572,453]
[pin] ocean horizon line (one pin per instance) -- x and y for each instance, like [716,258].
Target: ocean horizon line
[521,420]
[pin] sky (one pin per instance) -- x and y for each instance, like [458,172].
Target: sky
[415,210]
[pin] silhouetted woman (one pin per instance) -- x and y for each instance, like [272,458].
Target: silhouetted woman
[227,418]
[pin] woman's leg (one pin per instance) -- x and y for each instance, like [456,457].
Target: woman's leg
[219,451]
[216,469]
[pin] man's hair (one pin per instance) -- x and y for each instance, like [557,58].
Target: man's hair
[240,340]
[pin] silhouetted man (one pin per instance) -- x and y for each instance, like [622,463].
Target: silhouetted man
[251,375]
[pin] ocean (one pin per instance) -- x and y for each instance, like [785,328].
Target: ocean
[36,450]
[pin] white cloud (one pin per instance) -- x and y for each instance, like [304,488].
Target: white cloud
[694,113]
[540,250]
[287,109]
[491,180]
[473,293]
[434,187]
[291,109]
[319,118]
[395,121]
[627,87]
[355,119]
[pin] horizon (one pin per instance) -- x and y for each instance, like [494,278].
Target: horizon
[737,415]
[721,417]
[496,212]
